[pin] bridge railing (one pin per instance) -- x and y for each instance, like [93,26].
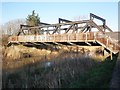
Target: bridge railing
[53,37]
[107,41]
[68,37]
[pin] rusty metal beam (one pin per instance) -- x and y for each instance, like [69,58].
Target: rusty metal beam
[84,28]
[92,16]
[21,26]
[20,31]
[61,24]
[69,28]
[75,28]
[42,23]
[56,29]
[108,28]
[88,28]
[27,27]
[66,28]
[95,25]
[63,20]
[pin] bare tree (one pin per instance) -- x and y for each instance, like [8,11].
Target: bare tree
[12,27]
[81,17]
[1,31]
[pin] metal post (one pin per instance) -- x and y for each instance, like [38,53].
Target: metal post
[54,37]
[94,36]
[107,42]
[76,36]
[111,57]
[68,37]
[86,36]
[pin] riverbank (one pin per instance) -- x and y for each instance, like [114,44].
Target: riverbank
[40,68]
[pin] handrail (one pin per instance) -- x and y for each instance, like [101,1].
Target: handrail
[68,37]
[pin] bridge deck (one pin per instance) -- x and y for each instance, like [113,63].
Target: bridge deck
[107,42]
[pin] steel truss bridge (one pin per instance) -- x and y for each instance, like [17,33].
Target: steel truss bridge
[66,32]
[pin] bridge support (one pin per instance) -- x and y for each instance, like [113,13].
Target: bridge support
[102,50]
[111,56]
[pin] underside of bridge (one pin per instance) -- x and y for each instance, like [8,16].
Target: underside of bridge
[67,33]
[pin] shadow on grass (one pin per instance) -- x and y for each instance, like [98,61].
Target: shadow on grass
[98,77]
[67,70]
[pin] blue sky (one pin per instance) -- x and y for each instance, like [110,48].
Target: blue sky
[51,11]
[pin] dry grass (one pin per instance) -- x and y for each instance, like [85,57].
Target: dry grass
[55,73]
[43,68]
[15,57]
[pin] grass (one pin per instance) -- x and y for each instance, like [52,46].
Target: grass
[68,70]
[65,69]
[98,77]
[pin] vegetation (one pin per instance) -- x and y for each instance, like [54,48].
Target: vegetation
[11,27]
[4,39]
[47,69]
[33,20]
[98,77]
[61,70]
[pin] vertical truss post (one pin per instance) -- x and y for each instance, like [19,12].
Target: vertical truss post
[107,42]
[54,37]
[68,37]
[69,28]
[103,50]
[111,56]
[74,28]
[86,36]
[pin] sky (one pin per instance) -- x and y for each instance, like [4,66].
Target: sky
[49,12]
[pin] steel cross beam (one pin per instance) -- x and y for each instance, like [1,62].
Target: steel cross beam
[42,23]
[61,24]
[73,25]
[69,28]
[63,20]
[97,17]
[21,26]
[57,26]
[56,29]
